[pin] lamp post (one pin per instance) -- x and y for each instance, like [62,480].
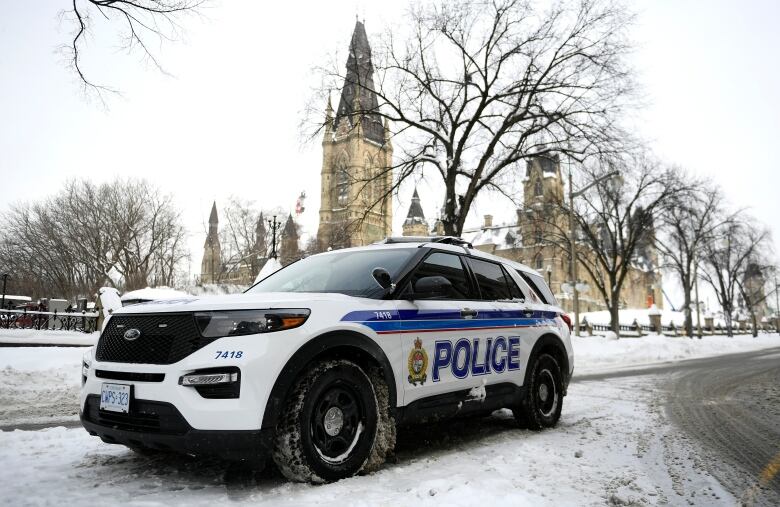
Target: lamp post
[573,241]
[549,275]
[274,225]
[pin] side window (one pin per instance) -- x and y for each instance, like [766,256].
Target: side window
[450,267]
[491,280]
[537,285]
[514,290]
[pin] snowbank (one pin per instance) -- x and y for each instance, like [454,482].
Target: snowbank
[627,317]
[39,384]
[47,337]
[593,354]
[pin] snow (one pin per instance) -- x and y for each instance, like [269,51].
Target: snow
[48,337]
[269,268]
[642,316]
[39,384]
[154,294]
[612,446]
[598,353]
[109,300]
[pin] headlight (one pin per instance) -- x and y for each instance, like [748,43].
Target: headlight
[241,322]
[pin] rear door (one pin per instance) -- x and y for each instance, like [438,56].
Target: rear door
[443,336]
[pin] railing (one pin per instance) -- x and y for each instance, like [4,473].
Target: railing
[672,330]
[53,321]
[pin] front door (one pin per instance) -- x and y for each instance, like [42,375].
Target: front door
[443,336]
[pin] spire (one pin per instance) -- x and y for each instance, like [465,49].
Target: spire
[213,219]
[357,95]
[328,117]
[415,214]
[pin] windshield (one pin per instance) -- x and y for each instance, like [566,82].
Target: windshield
[346,272]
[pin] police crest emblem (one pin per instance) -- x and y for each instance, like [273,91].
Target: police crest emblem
[418,364]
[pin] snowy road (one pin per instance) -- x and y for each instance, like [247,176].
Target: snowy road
[731,405]
[613,446]
[618,443]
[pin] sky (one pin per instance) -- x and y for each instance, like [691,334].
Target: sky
[224,118]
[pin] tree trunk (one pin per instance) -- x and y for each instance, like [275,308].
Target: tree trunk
[754,320]
[688,316]
[614,315]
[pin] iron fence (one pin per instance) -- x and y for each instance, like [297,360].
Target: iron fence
[54,321]
[672,330]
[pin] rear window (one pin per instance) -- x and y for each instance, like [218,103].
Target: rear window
[537,284]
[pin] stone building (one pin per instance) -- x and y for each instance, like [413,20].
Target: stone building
[356,207]
[415,224]
[211,265]
[235,268]
[524,240]
[753,300]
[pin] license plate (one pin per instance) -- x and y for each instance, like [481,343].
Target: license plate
[115,398]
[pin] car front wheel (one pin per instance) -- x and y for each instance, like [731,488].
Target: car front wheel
[335,424]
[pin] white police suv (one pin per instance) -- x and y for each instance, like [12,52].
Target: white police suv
[317,364]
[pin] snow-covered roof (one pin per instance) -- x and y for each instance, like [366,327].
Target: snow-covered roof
[153,294]
[503,236]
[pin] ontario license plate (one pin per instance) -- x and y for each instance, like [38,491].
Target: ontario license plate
[115,398]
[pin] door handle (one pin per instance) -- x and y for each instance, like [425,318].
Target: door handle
[468,313]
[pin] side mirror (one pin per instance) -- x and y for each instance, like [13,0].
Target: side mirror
[382,277]
[432,286]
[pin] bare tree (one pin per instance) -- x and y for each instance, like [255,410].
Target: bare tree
[477,87]
[125,233]
[145,23]
[687,223]
[726,257]
[615,221]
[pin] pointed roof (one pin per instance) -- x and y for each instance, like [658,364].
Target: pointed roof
[360,81]
[213,219]
[289,226]
[415,210]
[260,227]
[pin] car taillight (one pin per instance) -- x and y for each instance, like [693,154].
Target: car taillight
[567,320]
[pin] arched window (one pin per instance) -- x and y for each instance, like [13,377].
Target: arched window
[538,262]
[538,190]
[342,185]
[369,183]
[538,237]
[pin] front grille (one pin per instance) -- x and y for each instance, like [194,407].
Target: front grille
[144,416]
[131,376]
[165,339]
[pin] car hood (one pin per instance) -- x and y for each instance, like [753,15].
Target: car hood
[250,301]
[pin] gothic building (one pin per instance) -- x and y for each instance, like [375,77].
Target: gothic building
[211,265]
[356,159]
[525,241]
[415,224]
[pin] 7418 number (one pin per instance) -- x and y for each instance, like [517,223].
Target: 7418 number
[229,354]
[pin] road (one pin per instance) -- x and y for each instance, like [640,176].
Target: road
[731,406]
[650,435]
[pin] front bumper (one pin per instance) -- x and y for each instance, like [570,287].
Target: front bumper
[160,426]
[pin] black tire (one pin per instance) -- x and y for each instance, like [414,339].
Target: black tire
[543,399]
[335,423]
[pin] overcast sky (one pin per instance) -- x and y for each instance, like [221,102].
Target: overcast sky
[225,120]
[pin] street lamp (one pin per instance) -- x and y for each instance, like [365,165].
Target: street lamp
[573,241]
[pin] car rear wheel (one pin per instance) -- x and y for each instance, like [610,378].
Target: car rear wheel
[335,424]
[543,399]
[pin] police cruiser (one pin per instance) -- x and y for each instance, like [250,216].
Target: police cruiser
[316,365]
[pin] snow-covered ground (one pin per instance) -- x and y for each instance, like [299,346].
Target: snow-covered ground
[596,353]
[47,337]
[641,315]
[613,446]
[39,384]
